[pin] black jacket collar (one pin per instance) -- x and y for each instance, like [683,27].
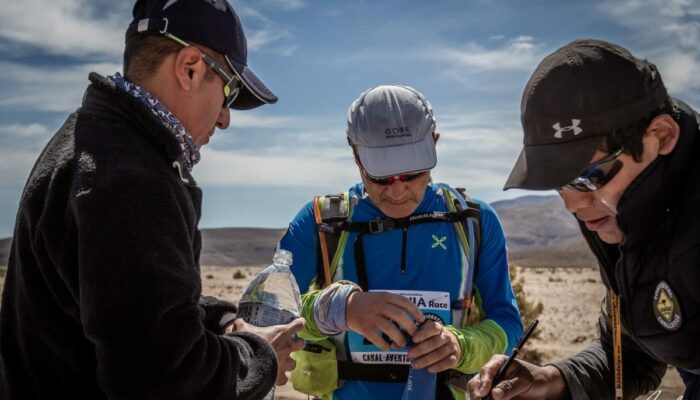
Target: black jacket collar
[104,100]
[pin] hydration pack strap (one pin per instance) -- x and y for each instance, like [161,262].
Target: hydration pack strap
[384,225]
[334,226]
[348,370]
[351,371]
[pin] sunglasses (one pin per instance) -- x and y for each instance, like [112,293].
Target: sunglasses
[597,174]
[232,84]
[391,179]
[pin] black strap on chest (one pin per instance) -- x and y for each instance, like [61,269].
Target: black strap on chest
[348,370]
[335,226]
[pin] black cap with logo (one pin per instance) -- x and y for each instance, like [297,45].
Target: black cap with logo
[212,23]
[575,97]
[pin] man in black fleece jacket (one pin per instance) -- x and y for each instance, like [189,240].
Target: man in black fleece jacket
[601,128]
[102,297]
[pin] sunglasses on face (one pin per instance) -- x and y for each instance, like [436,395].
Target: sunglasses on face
[391,179]
[232,84]
[597,174]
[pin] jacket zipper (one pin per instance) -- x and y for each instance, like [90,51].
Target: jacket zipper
[404,239]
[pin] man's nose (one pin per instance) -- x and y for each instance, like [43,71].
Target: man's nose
[575,200]
[224,119]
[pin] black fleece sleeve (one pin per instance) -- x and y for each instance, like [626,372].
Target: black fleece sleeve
[139,295]
[217,313]
[590,373]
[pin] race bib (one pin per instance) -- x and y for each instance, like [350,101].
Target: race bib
[434,305]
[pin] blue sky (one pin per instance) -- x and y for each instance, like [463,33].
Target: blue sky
[471,59]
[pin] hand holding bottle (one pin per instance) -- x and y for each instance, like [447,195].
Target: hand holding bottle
[283,340]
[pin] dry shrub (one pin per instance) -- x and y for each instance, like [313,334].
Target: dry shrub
[239,275]
[529,312]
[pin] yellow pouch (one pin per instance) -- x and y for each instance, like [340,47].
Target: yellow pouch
[316,372]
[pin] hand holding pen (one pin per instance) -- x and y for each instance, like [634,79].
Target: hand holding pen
[521,379]
[516,350]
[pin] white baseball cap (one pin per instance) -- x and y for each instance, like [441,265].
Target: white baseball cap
[392,128]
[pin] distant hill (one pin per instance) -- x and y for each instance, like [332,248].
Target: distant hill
[539,230]
[239,246]
[539,221]
[523,201]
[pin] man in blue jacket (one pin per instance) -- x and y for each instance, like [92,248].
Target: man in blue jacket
[384,280]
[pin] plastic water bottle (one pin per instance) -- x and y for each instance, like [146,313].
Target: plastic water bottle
[272,297]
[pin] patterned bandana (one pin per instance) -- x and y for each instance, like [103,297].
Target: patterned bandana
[190,150]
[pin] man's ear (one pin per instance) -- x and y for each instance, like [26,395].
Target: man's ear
[189,68]
[436,136]
[666,131]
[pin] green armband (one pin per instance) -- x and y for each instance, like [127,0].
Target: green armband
[479,343]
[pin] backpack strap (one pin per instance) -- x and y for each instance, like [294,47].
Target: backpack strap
[326,265]
[331,213]
[469,235]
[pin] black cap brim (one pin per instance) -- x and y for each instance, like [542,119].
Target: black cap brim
[254,93]
[552,166]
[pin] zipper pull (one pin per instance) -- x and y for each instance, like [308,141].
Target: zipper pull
[404,239]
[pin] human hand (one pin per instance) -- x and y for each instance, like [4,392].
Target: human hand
[366,312]
[436,348]
[522,381]
[282,339]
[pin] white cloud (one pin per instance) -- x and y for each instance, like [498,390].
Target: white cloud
[253,119]
[680,71]
[670,33]
[259,39]
[688,34]
[47,88]
[30,130]
[62,26]
[286,5]
[477,150]
[263,32]
[15,166]
[281,166]
[519,53]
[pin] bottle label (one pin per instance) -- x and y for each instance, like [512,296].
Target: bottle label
[434,305]
[260,314]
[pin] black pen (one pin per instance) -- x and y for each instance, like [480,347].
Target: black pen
[514,353]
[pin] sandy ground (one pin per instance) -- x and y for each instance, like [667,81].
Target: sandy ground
[571,299]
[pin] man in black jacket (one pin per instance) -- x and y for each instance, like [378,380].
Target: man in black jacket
[601,129]
[102,297]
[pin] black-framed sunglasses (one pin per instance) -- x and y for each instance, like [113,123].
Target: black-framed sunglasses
[388,180]
[597,174]
[232,84]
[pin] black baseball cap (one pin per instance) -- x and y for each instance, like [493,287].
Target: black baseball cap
[575,97]
[211,23]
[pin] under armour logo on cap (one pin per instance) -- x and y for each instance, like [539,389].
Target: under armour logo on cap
[559,130]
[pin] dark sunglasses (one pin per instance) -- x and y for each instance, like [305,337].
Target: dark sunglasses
[232,85]
[391,179]
[597,174]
